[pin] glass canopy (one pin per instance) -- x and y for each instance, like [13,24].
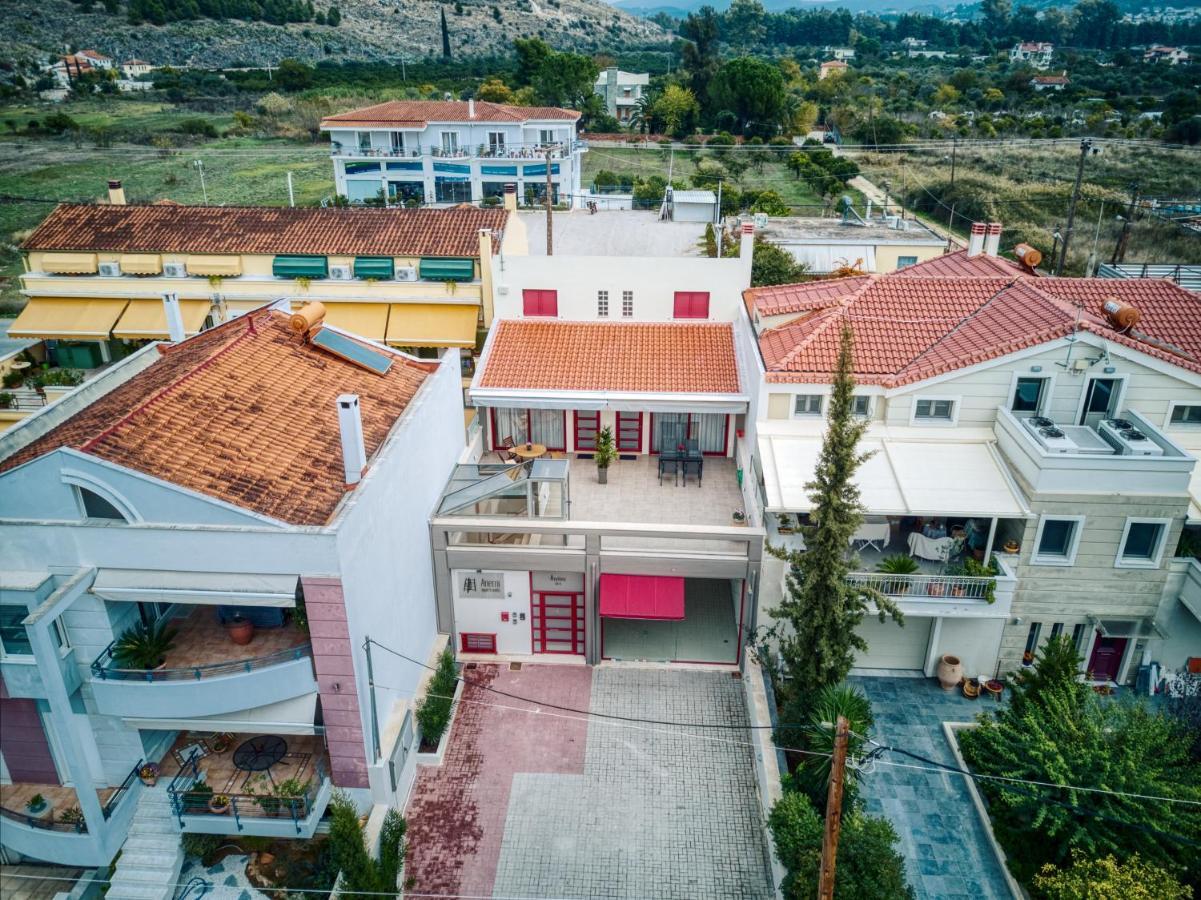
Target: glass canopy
[534,489]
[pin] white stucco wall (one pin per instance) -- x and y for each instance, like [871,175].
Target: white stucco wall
[483,615]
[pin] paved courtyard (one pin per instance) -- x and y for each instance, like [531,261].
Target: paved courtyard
[542,804]
[947,854]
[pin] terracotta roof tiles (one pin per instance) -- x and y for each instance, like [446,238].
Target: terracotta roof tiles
[636,357]
[419,113]
[244,413]
[265,229]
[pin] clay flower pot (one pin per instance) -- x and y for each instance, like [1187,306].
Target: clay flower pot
[240,630]
[219,805]
[950,672]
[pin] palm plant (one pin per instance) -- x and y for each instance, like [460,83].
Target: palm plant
[144,646]
[832,701]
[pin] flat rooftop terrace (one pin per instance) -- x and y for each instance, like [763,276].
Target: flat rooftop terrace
[798,229]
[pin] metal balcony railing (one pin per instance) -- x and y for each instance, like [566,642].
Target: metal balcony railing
[49,823]
[104,667]
[532,152]
[936,587]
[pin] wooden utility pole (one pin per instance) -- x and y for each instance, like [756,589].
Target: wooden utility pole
[825,886]
[550,236]
[1086,146]
[1119,250]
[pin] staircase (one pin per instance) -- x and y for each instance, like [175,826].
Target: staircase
[151,859]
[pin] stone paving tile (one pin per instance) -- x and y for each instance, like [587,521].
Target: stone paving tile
[942,839]
[657,811]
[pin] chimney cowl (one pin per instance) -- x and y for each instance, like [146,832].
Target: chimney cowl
[175,327]
[975,244]
[350,426]
[116,193]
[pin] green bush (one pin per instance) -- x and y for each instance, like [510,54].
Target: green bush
[1088,879]
[201,846]
[197,127]
[434,711]
[360,873]
[57,378]
[832,701]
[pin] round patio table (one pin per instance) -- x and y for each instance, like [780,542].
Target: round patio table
[259,754]
[532,452]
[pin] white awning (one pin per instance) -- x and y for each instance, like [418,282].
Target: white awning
[295,716]
[601,400]
[902,477]
[207,588]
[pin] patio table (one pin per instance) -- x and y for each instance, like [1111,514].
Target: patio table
[260,753]
[521,451]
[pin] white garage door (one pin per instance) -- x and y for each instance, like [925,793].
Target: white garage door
[890,646]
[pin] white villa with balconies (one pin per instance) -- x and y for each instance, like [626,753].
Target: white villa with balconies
[420,152]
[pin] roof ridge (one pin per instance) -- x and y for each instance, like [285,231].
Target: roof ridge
[960,324]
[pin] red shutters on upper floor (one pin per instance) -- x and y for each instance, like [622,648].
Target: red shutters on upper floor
[542,303]
[692,305]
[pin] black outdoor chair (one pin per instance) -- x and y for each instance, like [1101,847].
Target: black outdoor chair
[672,462]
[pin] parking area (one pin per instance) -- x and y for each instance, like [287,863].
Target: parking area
[533,801]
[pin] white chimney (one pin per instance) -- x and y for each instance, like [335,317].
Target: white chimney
[116,193]
[471,108]
[511,198]
[175,330]
[992,243]
[746,250]
[350,422]
[975,243]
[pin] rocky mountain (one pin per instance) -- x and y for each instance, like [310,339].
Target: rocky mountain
[370,30]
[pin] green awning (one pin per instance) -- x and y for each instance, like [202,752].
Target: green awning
[447,269]
[300,267]
[381,267]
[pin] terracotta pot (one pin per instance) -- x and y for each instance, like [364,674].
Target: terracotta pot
[950,672]
[265,858]
[218,810]
[241,631]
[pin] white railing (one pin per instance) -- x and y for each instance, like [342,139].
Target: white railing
[532,152]
[937,587]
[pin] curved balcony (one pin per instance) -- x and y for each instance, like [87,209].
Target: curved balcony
[206,674]
[59,834]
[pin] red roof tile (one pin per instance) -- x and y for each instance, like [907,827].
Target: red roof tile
[795,298]
[245,413]
[266,229]
[960,265]
[419,113]
[637,357]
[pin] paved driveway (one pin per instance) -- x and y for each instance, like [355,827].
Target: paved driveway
[545,805]
[946,852]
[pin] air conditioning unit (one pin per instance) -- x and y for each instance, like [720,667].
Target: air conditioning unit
[175,270]
[341,273]
[406,273]
[110,269]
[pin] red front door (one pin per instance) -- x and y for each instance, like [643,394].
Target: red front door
[24,744]
[629,432]
[587,426]
[557,622]
[1107,658]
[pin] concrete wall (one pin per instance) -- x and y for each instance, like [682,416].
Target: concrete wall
[483,614]
[975,641]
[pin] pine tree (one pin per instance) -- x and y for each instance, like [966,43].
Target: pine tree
[445,37]
[821,609]
[333,17]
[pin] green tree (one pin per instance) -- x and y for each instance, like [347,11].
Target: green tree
[813,776]
[821,610]
[700,53]
[555,79]
[677,110]
[495,91]
[360,873]
[770,203]
[744,22]
[333,17]
[445,34]
[752,92]
[773,264]
[292,75]
[1097,879]
[1095,23]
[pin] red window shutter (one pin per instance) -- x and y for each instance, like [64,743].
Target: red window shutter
[539,303]
[691,305]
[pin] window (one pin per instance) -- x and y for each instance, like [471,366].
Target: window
[450,142]
[478,643]
[398,142]
[1028,395]
[546,136]
[447,191]
[905,261]
[1185,415]
[691,305]
[96,507]
[1057,540]
[627,304]
[602,304]
[808,405]
[861,406]
[14,641]
[1031,642]
[364,140]
[496,142]
[1142,543]
[1078,636]
[934,409]
[539,303]
[1056,629]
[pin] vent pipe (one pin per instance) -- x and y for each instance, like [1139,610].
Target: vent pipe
[992,242]
[511,198]
[975,243]
[350,424]
[175,332]
[746,250]
[116,193]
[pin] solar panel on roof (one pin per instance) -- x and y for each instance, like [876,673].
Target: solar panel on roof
[343,347]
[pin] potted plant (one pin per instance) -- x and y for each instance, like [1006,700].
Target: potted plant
[222,742]
[7,400]
[37,805]
[144,646]
[240,629]
[977,569]
[219,804]
[148,772]
[605,453]
[784,524]
[197,797]
[72,816]
[897,564]
[739,517]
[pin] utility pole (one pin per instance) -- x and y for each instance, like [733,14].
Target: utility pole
[550,236]
[825,884]
[1119,251]
[371,692]
[1086,147]
[954,153]
[199,164]
[291,193]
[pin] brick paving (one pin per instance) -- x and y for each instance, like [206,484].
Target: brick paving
[546,807]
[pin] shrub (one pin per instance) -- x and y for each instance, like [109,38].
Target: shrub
[197,127]
[831,702]
[434,711]
[57,378]
[7,400]
[360,873]
[201,846]
[1094,878]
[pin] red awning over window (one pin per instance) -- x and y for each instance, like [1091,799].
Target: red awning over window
[642,597]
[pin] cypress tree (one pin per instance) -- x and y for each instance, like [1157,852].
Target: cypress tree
[445,36]
[820,608]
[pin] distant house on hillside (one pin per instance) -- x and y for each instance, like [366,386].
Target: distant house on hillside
[67,68]
[840,53]
[96,58]
[621,91]
[833,67]
[1173,56]
[1037,54]
[135,68]
[1050,82]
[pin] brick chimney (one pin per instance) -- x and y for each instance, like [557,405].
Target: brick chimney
[175,332]
[992,242]
[116,193]
[975,243]
[350,423]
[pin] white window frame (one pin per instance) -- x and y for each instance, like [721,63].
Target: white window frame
[396,141]
[955,401]
[547,136]
[8,655]
[1121,562]
[1123,383]
[496,141]
[1044,402]
[867,414]
[900,265]
[358,141]
[821,411]
[78,480]
[1172,405]
[451,138]
[1070,558]
[602,304]
[627,304]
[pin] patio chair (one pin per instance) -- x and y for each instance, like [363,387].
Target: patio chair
[670,462]
[504,448]
[694,464]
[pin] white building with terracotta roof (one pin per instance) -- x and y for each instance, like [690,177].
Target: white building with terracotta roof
[831,67]
[261,491]
[447,152]
[1047,425]
[1036,54]
[1173,56]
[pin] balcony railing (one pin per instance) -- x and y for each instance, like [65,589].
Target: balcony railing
[122,789]
[936,587]
[47,824]
[188,800]
[532,152]
[104,667]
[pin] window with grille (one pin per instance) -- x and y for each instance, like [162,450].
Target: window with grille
[478,643]
[627,304]
[602,304]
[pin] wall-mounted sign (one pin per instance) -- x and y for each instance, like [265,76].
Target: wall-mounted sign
[482,585]
[558,581]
